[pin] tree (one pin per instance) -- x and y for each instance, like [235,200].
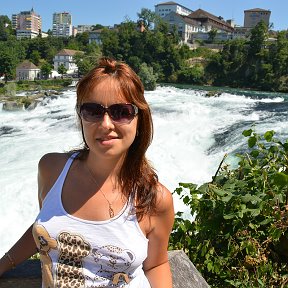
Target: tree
[191,75]
[148,77]
[212,34]
[7,64]
[279,55]
[257,54]
[258,38]
[35,57]
[46,69]
[86,61]
[62,69]
[82,39]
[110,42]
[5,28]
[97,27]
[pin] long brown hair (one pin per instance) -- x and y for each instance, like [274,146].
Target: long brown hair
[137,176]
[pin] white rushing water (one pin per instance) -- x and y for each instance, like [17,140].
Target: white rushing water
[192,134]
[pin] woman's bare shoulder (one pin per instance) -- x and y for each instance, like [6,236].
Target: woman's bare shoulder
[49,168]
[164,199]
[52,161]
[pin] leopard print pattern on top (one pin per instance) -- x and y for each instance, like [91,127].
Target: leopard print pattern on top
[69,270]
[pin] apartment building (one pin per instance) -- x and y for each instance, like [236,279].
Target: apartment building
[253,16]
[163,9]
[62,24]
[27,24]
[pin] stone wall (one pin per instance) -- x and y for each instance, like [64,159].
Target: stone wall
[185,275]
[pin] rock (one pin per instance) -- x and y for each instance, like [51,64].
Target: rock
[12,106]
[185,275]
[212,94]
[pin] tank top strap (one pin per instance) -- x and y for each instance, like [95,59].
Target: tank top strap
[62,176]
[129,211]
[65,169]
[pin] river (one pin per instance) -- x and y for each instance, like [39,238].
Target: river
[192,134]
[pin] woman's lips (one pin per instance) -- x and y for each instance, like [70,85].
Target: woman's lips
[107,140]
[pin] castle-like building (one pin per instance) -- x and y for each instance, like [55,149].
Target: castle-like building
[193,25]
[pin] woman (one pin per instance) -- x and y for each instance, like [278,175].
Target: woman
[105,219]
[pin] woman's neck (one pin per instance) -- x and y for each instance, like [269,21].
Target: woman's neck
[104,168]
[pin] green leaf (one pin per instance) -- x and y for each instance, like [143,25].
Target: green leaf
[280,179]
[190,186]
[210,266]
[254,153]
[269,135]
[186,200]
[250,198]
[254,212]
[285,145]
[252,141]
[219,192]
[247,133]
[266,221]
[227,198]
[229,216]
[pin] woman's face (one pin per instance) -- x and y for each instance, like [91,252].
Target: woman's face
[106,138]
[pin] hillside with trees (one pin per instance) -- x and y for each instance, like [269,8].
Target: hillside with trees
[158,55]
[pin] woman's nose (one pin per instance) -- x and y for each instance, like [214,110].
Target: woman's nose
[107,121]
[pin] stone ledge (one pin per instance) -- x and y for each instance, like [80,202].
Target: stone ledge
[185,275]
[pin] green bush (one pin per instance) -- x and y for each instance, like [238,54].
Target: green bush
[191,75]
[238,234]
[148,77]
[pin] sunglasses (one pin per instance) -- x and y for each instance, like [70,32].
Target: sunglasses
[121,113]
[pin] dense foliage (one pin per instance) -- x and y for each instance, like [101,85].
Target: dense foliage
[239,234]
[257,63]
[158,52]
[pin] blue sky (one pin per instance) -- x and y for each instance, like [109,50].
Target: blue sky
[109,12]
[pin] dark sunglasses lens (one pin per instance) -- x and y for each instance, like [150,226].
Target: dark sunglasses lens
[91,112]
[121,112]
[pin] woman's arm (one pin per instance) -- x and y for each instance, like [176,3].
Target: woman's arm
[24,248]
[156,265]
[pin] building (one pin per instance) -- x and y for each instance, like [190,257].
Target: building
[81,29]
[185,26]
[62,24]
[241,33]
[84,28]
[253,16]
[209,21]
[27,24]
[27,71]
[95,36]
[65,57]
[163,9]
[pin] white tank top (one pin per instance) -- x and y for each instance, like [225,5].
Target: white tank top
[82,253]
